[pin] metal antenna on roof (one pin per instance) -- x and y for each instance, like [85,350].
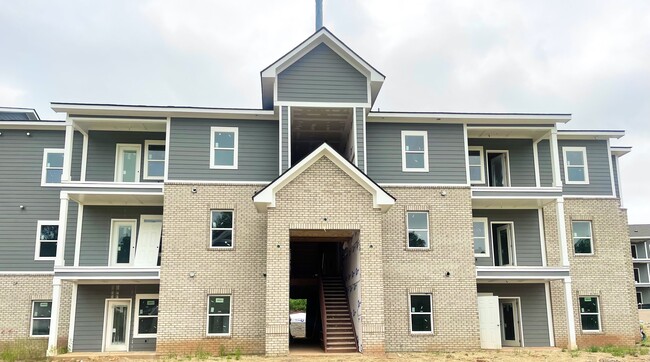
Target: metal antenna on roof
[319,14]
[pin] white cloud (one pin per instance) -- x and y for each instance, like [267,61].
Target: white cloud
[10,96]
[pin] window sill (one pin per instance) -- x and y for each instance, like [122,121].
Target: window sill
[422,333]
[225,336]
[144,336]
[417,249]
[592,332]
[415,170]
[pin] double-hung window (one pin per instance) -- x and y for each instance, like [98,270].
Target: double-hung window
[583,241]
[418,229]
[154,165]
[589,314]
[224,146]
[146,323]
[415,153]
[221,229]
[218,315]
[481,242]
[575,165]
[52,166]
[47,236]
[421,315]
[476,162]
[41,315]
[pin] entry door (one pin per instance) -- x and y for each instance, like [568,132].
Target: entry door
[127,163]
[498,169]
[489,322]
[146,253]
[116,325]
[123,242]
[505,248]
[509,314]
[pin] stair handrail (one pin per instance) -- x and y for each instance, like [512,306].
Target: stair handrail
[323,313]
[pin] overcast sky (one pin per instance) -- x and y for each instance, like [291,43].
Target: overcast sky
[589,58]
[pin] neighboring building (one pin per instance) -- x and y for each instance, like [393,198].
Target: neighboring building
[172,229]
[640,239]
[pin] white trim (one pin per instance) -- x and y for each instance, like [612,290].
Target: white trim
[389,184]
[168,136]
[488,248]
[119,161]
[148,143]
[585,165]
[67,159]
[112,255]
[555,159]
[590,134]
[520,322]
[420,313]
[123,110]
[365,152]
[288,137]
[235,148]
[53,338]
[25,273]
[31,318]
[127,336]
[198,182]
[408,231]
[207,323]
[136,319]
[466,147]
[232,229]
[354,136]
[77,242]
[549,314]
[481,165]
[638,274]
[542,235]
[106,269]
[611,169]
[591,238]
[425,152]
[639,294]
[620,182]
[589,197]
[320,104]
[513,244]
[279,139]
[73,316]
[580,313]
[84,157]
[507,166]
[536,163]
[552,119]
[110,184]
[570,315]
[37,248]
[46,152]
[636,251]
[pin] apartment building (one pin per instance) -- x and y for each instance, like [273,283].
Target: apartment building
[640,249]
[174,229]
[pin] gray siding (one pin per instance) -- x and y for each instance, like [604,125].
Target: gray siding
[89,319]
[96,230]
[322,76]
[71,233]
[520,153]
[100,165]
[600,182]
[617,184]
[360,137]
[527,236]
[285,138]
[77,152]
[533,309]
[189,150]
[643,273]
[446,153]
[545,163]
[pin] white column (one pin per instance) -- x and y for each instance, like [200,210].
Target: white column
[561,230]
[571,324]
[63,225]
[555,159]
[54,320]
[73,316]
[67,149]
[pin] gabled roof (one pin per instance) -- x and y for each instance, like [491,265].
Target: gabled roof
[266,197]
[323,35]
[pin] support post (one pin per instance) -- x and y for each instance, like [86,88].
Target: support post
[54,320]
[571,325]
[67,153]
[555,159]
[561,230]
[63,226]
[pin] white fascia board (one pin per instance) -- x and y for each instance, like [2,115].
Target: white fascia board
[266,197]
[619,151]
[474,118]
[33,125]
[589,135]
[160,111]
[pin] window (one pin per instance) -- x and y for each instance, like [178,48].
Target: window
[636,275]
[475,159]
[639,298]
[221,229]
[224,147]
[41,314]
[47,236]
[146,323]
[52,166]
[154,165]
[582,239]
[415,154]
[589,314]
[421,316]
[481,242]
[218,315]
[634,251]
[575,165]
[418,229]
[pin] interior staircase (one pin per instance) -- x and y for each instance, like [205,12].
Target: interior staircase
[338,330]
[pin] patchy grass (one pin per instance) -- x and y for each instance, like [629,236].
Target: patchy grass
[23,350]
[619,351]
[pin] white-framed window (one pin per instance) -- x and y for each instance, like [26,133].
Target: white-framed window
[637,275]
[146,321]
[639,298]
[476,164]
[421,315]
[481,237]
[123,242]
[47,237]
[634,251]
[154,161]
[219,320]
[41,316]
[576,170]
[583,241]
[224,147]
[589,314]
[417,224]
[52,166]
[222,229]
[415,151]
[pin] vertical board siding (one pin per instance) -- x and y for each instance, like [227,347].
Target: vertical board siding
[533,309]
[96,230]
[189,150]
[520,155]
[600,182]
[360,139]
[77,152]
[545,163]
[71,233]
[321,75]
[446,153]
[102,146]
[617,183]
[527,236]
[285,138]
[21,164]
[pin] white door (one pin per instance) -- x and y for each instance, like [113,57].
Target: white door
[498,170]
[127,163]
[146,253]
[505,248]
[123,242]
[509,314]
[489,322]
[117,322]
